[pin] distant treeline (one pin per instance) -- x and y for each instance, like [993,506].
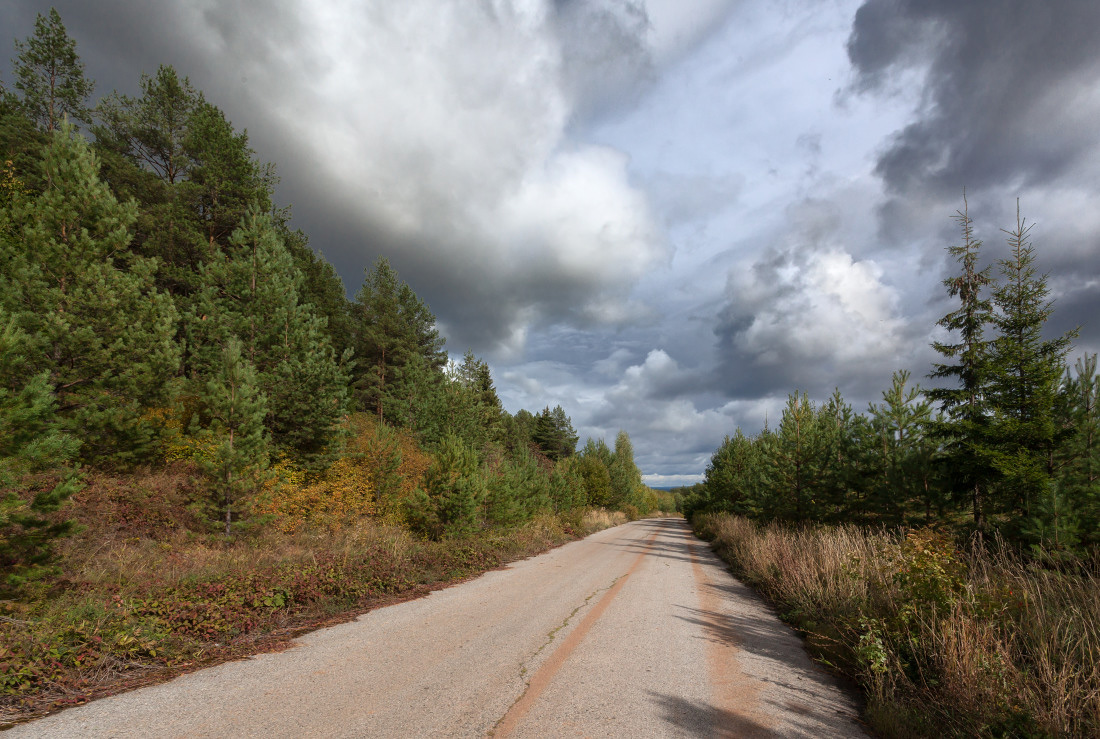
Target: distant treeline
[155,303]
[1008,441]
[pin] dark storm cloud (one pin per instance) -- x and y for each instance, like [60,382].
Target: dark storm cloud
[1009,88]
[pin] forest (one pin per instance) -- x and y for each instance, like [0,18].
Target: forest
[183,377]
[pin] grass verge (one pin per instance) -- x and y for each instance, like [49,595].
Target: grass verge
[972,642]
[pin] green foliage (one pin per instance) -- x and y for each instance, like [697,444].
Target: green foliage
[795,457]
[50,75]
[731,477]
[1025,374]
[553,433]
[1078,457]
[1008,433]
[592,471]
[99,327]
[519,490]
[901,465]
[236,409]
[36,475]
[448,502]
[391,328]
[963,429]
[626,478]
[250,292]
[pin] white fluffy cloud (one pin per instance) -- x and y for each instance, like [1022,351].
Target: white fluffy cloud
[815,306]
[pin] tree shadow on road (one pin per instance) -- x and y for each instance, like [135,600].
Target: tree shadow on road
[702,719]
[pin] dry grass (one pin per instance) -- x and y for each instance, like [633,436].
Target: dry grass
[598,519]
[965,643]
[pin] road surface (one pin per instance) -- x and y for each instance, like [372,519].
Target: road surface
[637,631]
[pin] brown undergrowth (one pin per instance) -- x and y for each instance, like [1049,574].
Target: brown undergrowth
[146,593]
[970,642]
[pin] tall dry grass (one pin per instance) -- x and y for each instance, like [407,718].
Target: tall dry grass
[598,519]
[970,642]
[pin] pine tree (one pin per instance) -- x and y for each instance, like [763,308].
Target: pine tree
[474,410]
[251,292]
[453,490]
[225,181]
[152,130]
[795,458]
[1025,374]
[36,474]
[554,434]
[963,427]
[728,477]
[390,326]
[143,144]
[236,408]
[322,287]
[50,75]
[903,477]
[841,429]
[101,330]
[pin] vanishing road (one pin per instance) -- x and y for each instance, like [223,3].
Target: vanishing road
[637,631]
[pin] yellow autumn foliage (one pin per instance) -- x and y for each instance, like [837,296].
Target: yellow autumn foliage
[380,467]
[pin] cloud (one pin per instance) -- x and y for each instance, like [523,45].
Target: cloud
[652,401]
[1009,94]
[1008,103]
[806,314]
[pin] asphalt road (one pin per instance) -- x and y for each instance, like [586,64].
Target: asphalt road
[637,631]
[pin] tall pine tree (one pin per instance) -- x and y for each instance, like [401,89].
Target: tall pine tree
[250,291]
[100,328]
[50,75]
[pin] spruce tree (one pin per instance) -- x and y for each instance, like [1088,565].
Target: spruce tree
[963,427]
[1025,374]
[1079,453]
[902,478]
[50,75]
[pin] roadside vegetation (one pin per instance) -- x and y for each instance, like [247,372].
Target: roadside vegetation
[943,547]
[945,641]
[205,446]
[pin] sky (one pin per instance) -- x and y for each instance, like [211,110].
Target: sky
[663,215]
